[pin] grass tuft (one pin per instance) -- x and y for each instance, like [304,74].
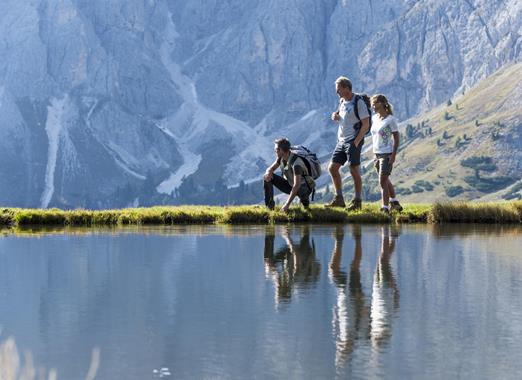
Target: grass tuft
[484,212]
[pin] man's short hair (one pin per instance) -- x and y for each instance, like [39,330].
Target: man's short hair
[283,144]
[344,82]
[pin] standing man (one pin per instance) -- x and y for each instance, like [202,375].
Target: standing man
[350,139]
[296,180]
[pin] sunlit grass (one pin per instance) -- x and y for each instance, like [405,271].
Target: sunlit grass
[454,212]
[470,212]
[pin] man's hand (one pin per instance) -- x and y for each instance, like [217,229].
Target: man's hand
[365,126]
[285,208]
[269,174]
[336,116]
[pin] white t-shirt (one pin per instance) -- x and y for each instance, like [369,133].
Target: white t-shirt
[347,131]
[382,133]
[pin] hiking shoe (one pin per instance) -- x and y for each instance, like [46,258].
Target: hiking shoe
[338,201]
[395,206]
[385,210]
[355,204]
[270,205]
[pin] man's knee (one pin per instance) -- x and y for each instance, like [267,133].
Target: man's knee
[333,168]
[269,179]
[383,181]
[354,169]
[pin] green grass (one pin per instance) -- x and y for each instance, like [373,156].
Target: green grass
[451,212]
[483,212]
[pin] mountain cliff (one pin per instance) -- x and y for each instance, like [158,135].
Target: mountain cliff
[132,102]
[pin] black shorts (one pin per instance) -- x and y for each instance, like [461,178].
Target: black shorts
[347,152]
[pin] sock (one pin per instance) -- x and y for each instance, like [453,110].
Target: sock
[386,207]
[393,199]
[339,193]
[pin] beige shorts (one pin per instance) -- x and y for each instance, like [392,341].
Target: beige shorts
[382,164]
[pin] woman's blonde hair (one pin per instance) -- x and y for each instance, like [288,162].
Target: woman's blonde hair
[380,98]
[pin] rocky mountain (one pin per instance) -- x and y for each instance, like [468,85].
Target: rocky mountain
[134,102]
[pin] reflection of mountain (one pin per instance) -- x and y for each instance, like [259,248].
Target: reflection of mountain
[73,293]
[200,304]
[293,267]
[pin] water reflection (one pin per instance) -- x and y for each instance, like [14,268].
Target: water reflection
[354,318]
[357,315]
[15,367]
[293,266]
[199,303]
[350,313]
[385,292]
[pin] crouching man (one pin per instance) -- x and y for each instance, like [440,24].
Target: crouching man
[296,180]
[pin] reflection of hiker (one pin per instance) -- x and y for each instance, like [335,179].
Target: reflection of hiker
[293,266]
[350,312]
[353,118]
[276,268]
[385,139]
[385,293]
[306,269]
[296,179]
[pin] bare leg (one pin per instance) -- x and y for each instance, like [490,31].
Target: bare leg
[333,168]
[385,190]
[357,181]
[391,189]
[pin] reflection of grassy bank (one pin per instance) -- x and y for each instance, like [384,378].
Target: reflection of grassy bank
[461,212]
[14,366]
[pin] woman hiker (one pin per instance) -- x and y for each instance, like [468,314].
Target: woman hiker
[385,139]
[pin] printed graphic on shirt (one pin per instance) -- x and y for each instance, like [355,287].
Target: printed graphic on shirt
[382,130]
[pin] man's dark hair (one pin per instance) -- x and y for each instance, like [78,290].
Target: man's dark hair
[283,144]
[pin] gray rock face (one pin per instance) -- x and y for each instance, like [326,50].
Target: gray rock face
[439,48]
[106,104]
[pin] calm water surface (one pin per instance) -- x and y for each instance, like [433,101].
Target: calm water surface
[306,302]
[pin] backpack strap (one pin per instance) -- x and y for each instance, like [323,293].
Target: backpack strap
[355,107]
[292,160]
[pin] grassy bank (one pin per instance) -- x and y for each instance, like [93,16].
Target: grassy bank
[459,212]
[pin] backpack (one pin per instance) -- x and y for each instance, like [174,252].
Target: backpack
[313,165]
[366,100]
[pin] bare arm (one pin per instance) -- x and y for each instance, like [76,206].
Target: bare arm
[271,169]
[365,126]
[293,193]
[396,141]
[335,115]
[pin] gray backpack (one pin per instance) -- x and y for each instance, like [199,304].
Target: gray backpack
[313,165]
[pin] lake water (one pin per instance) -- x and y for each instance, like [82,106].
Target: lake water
[302,302]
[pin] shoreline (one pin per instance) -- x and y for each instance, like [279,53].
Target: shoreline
[437,213]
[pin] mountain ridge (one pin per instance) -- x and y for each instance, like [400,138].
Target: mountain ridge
[132,103]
